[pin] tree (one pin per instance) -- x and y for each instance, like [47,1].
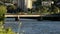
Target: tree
[55,10]
[3,10]
[37,3]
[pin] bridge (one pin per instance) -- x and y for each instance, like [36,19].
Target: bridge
[17,16]
[22,15]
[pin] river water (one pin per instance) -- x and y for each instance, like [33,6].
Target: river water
[32,26]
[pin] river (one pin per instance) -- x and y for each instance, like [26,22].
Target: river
[32,26]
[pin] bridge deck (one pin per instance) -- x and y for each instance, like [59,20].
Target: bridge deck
[19,15]
[22,15]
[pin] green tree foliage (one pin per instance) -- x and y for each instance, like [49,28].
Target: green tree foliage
[55,10]
[37,3]
[3,10]
[12,7]
[44,10]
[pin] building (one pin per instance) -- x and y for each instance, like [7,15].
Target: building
[47,3]
[24,4]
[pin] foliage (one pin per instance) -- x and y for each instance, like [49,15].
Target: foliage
[4,30]
[55,10]
[11,7]
[3,10]
[43,10]
[37,3]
